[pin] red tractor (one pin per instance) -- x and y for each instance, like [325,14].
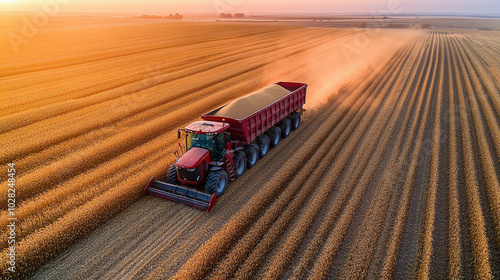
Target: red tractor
[229,140]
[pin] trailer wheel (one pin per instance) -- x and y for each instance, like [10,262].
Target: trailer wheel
[240,163]
[216,182]
[252,152]
[286,127]
[295,118]
[263,143]
[172,175]
[274,134]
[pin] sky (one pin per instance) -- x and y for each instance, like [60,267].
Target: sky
[248,6]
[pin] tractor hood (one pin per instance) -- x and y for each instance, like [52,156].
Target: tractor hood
[193,158]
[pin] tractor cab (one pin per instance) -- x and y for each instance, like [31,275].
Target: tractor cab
[205,142]
[207,135]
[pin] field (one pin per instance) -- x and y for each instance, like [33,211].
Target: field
[394,171]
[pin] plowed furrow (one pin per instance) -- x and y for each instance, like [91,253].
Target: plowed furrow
[360,254]
[409,177]
[478,232]
[436,88]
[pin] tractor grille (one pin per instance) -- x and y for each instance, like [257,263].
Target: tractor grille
[192,175]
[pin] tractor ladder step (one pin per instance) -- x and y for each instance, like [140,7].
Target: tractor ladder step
[230,169]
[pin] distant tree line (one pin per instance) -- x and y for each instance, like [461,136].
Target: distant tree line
[421,26]
[171,16]
[392,25]
[237,15]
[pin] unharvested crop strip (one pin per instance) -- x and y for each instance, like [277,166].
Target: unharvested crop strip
[364,245]
[395,168]
[487,159]
[479,240]
[425,105]
[41,178]
[426,250]
[454,203]
[324,230]
[327,254]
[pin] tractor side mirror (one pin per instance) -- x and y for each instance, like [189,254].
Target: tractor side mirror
[178,134]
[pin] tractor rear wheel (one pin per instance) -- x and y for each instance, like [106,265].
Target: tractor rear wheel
[295,118]
[286,127]
[252,152]
[263,143]
[172,175]
[240,163]
[216,182]
[274,134]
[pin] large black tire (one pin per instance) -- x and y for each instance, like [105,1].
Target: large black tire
[240,163]
[286,127]
[295,118]
[216,182]
[252,152]
[172,175]
[274,134]
[263,143]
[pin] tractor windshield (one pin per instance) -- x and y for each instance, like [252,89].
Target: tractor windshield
[213,143]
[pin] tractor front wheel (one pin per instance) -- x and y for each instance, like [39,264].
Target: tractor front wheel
[172,175]
[216,182]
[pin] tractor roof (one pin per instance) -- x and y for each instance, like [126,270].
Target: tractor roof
[207,127]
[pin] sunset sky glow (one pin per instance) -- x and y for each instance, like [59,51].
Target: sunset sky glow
[271,6]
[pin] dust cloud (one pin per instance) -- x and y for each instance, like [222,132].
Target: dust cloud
[336,65]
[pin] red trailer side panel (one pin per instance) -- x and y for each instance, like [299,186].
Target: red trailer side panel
[247,129]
